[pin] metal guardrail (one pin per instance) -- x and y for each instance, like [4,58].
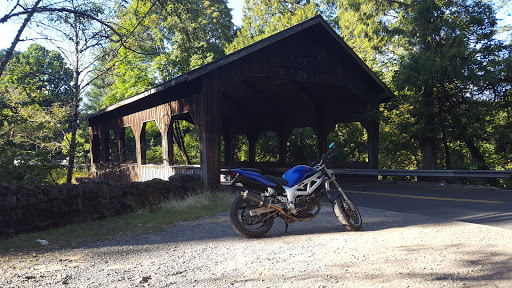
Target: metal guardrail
[504,174]
[428,173]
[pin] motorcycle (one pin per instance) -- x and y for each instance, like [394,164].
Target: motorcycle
[294,197]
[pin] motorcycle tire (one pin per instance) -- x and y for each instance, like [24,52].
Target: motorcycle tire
[347,213]
[246,225]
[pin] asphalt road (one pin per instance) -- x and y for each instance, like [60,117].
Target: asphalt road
[481,205]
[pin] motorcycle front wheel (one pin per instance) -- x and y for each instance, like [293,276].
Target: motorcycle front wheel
[246,225]
[347,213]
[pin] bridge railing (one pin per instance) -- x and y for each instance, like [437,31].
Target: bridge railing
[503,174]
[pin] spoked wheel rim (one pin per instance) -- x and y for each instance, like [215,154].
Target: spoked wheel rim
[247,225]
[351,211]
[246,220]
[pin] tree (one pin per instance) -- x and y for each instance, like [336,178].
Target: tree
[29,14]
[30,9]
[452,47]
[76,31]
[178,36]
[369,28]
[264,18]
[34,90]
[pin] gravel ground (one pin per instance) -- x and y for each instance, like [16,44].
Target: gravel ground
[393,250]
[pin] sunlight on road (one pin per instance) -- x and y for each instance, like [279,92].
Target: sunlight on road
[426,197]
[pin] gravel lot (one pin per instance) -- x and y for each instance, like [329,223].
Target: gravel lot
[393,250]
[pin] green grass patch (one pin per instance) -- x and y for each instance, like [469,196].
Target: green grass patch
[144,221]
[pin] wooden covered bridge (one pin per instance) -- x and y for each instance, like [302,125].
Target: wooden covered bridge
[304,76]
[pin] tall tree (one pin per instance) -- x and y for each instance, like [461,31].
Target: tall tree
[369,28]
[451,43]
[77,34]
[34,90]
[30,9]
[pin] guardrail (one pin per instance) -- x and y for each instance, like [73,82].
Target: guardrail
[504,174]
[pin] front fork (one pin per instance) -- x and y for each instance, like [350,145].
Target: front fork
[335,194]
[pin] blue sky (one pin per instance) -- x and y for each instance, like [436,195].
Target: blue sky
[237,6]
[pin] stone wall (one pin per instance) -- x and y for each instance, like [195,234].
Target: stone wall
[31,208]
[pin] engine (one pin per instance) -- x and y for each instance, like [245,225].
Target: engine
[308,203]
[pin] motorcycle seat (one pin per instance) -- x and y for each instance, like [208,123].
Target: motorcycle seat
[250,170]
[279,180]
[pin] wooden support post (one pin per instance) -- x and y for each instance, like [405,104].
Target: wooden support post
[167,141]
[94,147]
[140,142]
[170,145]
[372,130]
[208,115]
[143,145]
[120,134]
[105,149]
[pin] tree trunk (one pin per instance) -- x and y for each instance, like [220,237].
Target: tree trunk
[72,144]
[76,102]
[428,145]
[179,140]
[448,165]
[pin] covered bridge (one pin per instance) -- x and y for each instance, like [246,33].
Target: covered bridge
[304,76]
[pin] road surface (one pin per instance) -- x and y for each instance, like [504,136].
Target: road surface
[473,204]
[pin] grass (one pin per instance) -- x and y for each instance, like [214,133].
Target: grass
[192,207]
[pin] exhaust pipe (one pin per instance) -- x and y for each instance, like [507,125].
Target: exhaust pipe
[256,198]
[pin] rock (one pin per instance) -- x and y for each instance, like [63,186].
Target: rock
[145,279]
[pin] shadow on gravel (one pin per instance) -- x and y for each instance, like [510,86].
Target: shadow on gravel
[218,228]
[474,268]
[488,218]
[481,268]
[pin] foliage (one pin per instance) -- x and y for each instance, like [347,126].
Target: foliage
[82,146]
[350,141]
[264,18]
[369,28]
[267,147]
[451,61]
[302,146]
[397,149]
[170,38]
[34,90]
[191,141]
[240,148]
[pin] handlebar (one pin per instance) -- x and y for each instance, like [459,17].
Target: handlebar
[327,155]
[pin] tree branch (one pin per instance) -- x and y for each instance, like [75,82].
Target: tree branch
[9,53]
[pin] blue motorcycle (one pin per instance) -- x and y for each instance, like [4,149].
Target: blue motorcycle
[294,197]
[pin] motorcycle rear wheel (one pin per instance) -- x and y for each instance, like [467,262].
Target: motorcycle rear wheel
[347,213]
[246,225]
